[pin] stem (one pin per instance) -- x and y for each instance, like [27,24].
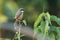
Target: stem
[19,34]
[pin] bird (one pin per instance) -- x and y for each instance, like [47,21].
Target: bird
[18,18]
[19,15]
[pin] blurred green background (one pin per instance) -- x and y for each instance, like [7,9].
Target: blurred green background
[32,8]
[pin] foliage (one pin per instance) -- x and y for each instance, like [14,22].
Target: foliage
[43,25]
[24,22]
[16,36]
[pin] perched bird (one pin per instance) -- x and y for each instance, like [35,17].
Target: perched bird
[18,18]
[19,15]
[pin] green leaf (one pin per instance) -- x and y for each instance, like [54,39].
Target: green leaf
[48,17]
[22,35]
[46,27]
[56,19]
[38,20]
[42,26]
[52,36]
[25,23]
[58,33]
[47,20]
[53,28]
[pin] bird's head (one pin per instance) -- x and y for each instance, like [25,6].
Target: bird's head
[21,10]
